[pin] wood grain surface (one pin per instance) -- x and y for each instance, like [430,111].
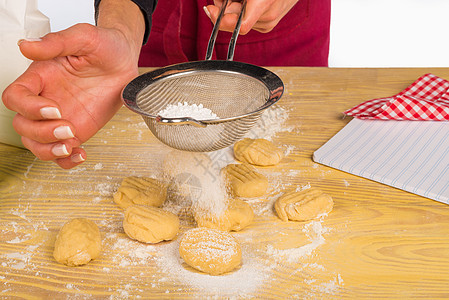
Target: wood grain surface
[378,242]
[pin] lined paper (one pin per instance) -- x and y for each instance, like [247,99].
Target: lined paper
[409,155]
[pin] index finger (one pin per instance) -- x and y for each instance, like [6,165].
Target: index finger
[22,96]
[230,17]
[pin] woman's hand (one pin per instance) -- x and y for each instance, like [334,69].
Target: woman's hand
[261,15]
[72,89]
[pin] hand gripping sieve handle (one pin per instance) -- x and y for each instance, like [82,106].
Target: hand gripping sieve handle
[180,121]
[213,36]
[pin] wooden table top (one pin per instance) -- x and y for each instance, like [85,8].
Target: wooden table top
[377,242]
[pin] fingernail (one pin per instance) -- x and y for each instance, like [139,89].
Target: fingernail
[206,11]
[50,113]
[60,150]
[77,158]
[29,40]
[63,133]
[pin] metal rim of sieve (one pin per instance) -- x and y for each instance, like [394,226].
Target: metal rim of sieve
[271,81]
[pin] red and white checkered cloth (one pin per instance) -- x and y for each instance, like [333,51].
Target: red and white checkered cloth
[426,99]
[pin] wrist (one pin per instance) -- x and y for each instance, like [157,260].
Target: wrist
[125,17]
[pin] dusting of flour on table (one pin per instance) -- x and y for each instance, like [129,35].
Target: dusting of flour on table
[137,270]
[126,253]
[314,231]
[240,283]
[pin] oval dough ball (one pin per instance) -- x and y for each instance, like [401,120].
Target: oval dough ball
[259,152]
[304,205]
[211,251]
[244,181]
[77,243]
[142,191]
[149,224]
[237,216]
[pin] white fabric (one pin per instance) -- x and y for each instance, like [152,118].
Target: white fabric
[18,19]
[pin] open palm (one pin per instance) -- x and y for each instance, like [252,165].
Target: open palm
[81,72]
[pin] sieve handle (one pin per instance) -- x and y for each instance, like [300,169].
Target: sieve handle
[236,32]
[180,121]
[233,41]
[213,36]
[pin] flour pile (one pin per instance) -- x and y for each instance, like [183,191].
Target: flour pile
[194,111]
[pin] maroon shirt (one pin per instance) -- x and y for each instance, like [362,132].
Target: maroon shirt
[181,31]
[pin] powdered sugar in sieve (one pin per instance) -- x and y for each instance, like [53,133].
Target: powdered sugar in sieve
[194,111]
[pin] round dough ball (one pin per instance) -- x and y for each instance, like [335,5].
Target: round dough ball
[211,251]
[140,190]
[77,243]
[149,224]
[244,181]
[237,216]
[259,152]
[304,205]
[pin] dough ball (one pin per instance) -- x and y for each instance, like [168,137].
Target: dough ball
[244,181]
[259,152]
[77,243]
[237,216]
[141,191]
[150,224]
[211,251]
[304,205]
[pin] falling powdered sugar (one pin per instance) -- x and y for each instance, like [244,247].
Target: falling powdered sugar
[270,123]
[194,111]
[194,181]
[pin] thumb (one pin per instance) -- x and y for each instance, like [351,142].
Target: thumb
[76,41]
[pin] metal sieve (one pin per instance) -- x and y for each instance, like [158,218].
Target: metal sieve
[236,92]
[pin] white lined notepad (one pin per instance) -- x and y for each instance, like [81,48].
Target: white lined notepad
[409,155]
